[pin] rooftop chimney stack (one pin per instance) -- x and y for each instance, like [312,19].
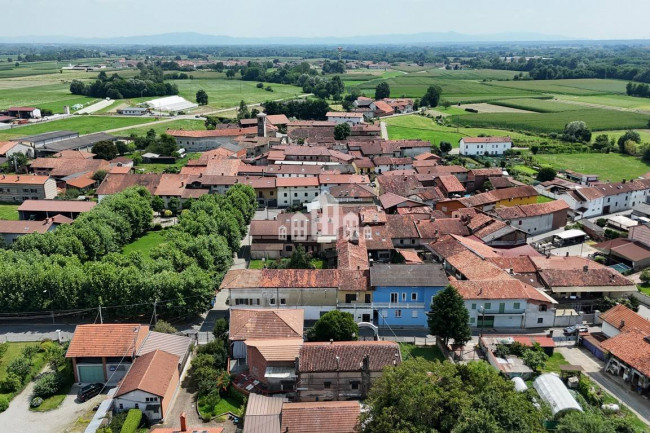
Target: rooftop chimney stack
[261,125]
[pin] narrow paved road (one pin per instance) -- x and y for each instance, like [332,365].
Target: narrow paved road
[593,367]
[18,417]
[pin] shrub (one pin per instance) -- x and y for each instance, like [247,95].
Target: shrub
[164,327]
[29,351]
[36,402]
[20,367]
[4,403]
[645,276]
[48,385]
[132,421]
[10,383]
[260,85]
[601,222]
[3,349]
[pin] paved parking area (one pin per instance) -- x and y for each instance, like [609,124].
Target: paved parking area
[18,417]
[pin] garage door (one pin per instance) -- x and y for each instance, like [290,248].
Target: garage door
[91,373]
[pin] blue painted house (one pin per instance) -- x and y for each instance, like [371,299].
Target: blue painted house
[403,293]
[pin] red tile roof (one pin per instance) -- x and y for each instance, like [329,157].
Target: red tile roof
[151,373]
[56,206]
[343,114]
[107,340]
[23,179]
[509,288]
[352,255]
[6,146]
[24,227]
[451,184]
[383,106]
[624,319]
[225,132]
[321,357]
[486,139]
[321,417]
[631,347]
[261,324]
[296,182]
[114,183]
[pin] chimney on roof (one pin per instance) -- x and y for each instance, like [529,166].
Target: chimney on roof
[261,125]
[622,324]
[585,268]
[331,341]
[183,422]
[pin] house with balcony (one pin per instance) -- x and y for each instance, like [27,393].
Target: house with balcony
[403,293]
[505,303]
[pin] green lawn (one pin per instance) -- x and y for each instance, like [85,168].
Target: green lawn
[13,352]
[9,212]
[81,124]
[643,288]
[553,363]
[223,93]
[145,243]
[55,401]
[231,403]
[160,128]
[524,170]
[597,120]
[430,353]
[609,166]
[543,199]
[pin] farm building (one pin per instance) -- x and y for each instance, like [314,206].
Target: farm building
[23,112]
[341,117]
[133,111]
[39,140]
[484,145]
[84,143]
[170,103]
[42,209]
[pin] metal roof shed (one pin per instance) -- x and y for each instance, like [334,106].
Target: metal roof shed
[570,234]
[552,390]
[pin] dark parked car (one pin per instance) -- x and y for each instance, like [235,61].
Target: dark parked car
[89,391]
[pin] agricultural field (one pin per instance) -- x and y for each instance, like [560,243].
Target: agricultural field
[621,101]
[223,93]
[612,167]
[596,119]
[643,133]
[583,86]
[538,105]
[81,124]
[416,126]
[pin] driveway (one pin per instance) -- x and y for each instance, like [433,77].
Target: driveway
[593,367]
[18,417]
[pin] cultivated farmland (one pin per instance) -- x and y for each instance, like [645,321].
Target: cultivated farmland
[596,119]
[609,166]
[81,124]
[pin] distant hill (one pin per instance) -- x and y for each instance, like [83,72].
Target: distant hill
[190,38]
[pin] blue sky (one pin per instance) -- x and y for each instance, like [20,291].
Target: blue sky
[590,19]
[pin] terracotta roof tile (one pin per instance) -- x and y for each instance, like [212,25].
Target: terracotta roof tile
[322,417]
[321,357]
[225,132]
[266,324]
[277,349]
[150,373]
[107,340]
[56,206]
[632,347]
[509,288]
[621,315]
[23,179]
[486,139]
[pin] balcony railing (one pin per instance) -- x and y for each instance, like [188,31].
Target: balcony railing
[373,305]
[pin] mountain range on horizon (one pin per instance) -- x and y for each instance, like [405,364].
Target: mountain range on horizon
[193,38]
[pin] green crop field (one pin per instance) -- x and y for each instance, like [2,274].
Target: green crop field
[160,128]
[609,166]
[416,126]
[538,105]
[81,124]
[622,101]
[50,96]
[584,86]
[224,93]
[596,119]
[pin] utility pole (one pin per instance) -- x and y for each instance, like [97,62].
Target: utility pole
[101,319]
[155,316]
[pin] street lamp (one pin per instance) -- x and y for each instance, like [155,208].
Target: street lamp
[51,305]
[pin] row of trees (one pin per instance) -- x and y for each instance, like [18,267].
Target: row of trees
[308,109]
[80,266]
[430,99]
[642,90]
[149,82]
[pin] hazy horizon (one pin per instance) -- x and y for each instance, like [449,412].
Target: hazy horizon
[576,19]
